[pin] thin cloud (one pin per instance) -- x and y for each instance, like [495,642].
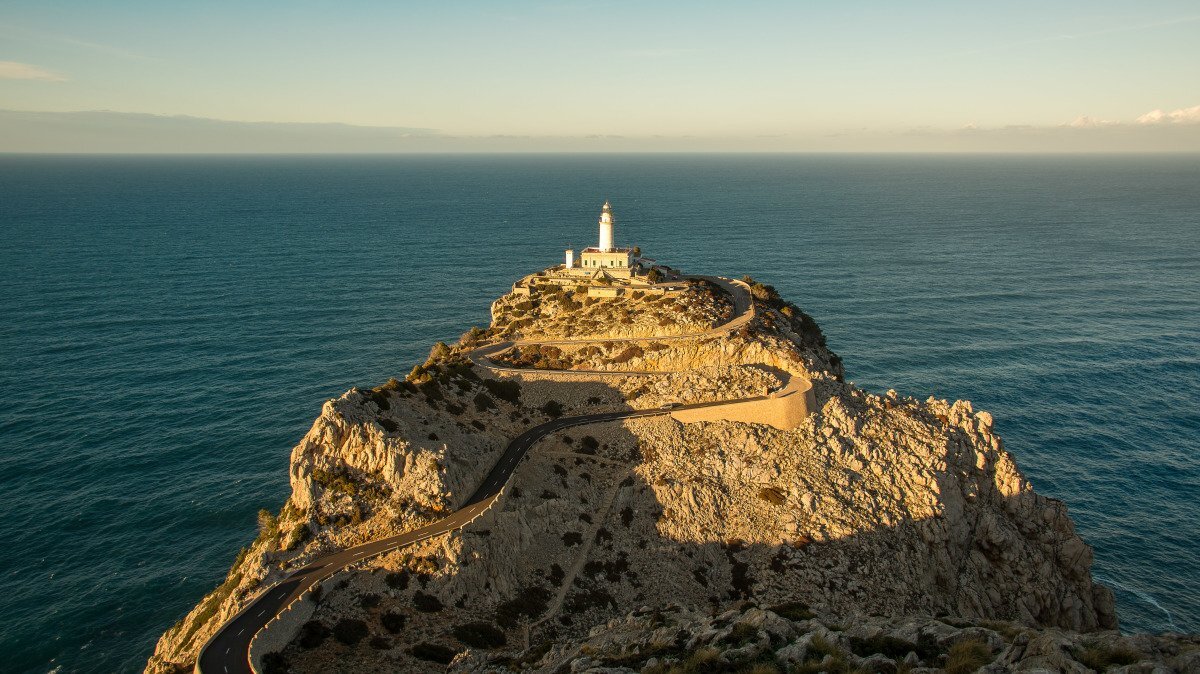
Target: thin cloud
[1077,36]
[12,70]
[665,52]
[1181,116]
[35,36]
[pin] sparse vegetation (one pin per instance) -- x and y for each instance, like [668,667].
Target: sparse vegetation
[397,580]
[433,653]
[772,495]
[1100,658]
[483,402]
[891,647]
[393,622]
[350,631]
[793,610]
[506,389]
[480,635]
[312,634]
[426,603]
[967,656]
[268,527]
[528,603]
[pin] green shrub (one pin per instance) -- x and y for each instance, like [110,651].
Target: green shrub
[589,445]
[504,389]
[392,622]
[350,631]
[426,603]
[480,635]
[528,603]
[299,535]
[891,647]
[268,526]
[433,653]
[440,352]
[312,634]
[793,610]
[275,663]
[483,402]
[417,375]
[553,409]
[397,580]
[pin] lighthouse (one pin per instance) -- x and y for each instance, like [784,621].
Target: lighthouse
[606,228]
[605,255]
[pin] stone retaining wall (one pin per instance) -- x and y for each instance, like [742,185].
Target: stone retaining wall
[784,409]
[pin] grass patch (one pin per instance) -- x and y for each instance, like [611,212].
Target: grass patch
[1100,658]
[967,656]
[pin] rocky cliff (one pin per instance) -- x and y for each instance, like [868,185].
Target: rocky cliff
[883,506]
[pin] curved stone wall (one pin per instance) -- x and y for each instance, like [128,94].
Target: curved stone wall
[785,409]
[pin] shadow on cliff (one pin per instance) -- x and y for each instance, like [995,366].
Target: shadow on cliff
[604,527]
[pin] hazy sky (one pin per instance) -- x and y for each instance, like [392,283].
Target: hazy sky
[749,70]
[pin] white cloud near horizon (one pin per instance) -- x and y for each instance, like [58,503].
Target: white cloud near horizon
[14,70]
[1181,116]
[1087,122]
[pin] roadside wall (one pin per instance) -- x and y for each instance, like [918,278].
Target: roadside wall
[784,409]
[279,632]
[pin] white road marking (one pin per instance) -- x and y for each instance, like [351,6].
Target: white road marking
[227,650]
[240,631]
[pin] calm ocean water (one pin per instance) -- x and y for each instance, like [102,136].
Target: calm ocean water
[172,325]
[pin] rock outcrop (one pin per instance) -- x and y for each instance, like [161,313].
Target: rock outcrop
[882,506]
[790,637]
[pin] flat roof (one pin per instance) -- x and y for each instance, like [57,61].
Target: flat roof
[593,249]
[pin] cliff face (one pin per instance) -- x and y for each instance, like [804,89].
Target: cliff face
[876,505]
[791,637]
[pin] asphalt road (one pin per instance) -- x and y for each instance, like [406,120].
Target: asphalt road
[228,651]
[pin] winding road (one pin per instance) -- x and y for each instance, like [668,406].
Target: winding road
[228,651]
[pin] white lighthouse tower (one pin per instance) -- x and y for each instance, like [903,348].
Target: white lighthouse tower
[606,228]
[606,256]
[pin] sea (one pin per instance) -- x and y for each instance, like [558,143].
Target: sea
[171,325]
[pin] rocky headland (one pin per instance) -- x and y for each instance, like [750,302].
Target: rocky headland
[884,533]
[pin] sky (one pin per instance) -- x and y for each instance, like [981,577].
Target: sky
[562,75]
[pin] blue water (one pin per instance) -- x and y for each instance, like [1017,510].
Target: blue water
[172,325]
